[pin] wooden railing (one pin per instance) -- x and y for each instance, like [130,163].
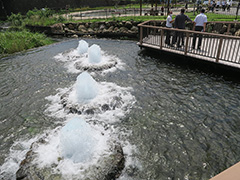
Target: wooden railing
[217,47]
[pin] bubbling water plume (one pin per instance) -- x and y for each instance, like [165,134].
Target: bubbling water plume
[76,140]
[86,87]
[94,54]
[82,47]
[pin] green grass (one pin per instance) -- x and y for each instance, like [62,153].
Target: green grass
[54,20]
[110,7]
[211,17]
[49,17]
[215,17]
[44,21]
[12,41]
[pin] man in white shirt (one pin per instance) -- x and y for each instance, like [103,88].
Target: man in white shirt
[218,4]
[169,22]
[199,24]
[223,5]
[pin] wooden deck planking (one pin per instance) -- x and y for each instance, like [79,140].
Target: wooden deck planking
[208,51]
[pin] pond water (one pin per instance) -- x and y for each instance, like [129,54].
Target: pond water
[184,123]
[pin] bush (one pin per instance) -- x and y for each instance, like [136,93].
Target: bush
[60,19]
[12,41]
[46,12]
[15,19]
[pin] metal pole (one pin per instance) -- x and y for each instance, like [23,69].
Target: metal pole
[155,13]
[194,9]
[237,10]
[140,7]
[168,6]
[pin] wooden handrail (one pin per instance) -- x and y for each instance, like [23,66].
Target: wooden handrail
[191,31]
[215,22]
[217,47]
[144,22]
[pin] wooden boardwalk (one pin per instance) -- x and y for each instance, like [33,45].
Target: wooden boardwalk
[217,48]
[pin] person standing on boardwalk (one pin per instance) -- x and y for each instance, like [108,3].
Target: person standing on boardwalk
[169,22]
[199,24]
[180,24]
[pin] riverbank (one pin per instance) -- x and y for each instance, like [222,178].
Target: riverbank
[16,41]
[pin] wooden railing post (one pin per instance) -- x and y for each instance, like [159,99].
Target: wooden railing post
[154,31]
[161,39]
[228,29]
[141,35]
[219,49]
[187,41]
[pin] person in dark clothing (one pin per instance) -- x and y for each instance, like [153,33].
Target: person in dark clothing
[180,24]
[186,6]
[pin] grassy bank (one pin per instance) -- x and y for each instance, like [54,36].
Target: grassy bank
[12,41]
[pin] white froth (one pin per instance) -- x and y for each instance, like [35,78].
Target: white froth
[106,93]
[77,141]
[52,153]
[17,153]
[89,59]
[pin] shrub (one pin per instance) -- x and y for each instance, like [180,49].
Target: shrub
[12,41]
[46,12]
[61,19]
[15,19]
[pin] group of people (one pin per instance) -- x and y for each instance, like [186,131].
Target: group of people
[224,5]
[199,24]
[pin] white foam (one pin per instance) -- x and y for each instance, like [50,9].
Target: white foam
[107,94]
[72,57]
[51,152]
[17,153]
[76,140]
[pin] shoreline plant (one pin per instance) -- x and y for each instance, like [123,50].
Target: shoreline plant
[16,41]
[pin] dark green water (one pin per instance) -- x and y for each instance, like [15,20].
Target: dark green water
[184,124]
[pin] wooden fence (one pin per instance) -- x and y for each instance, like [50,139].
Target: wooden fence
[214,47]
